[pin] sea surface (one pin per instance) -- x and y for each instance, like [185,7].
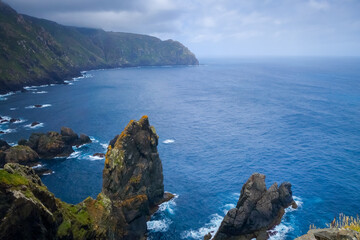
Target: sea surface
[292,119]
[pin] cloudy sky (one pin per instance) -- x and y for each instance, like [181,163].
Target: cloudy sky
[214,28]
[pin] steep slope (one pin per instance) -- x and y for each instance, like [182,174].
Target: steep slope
[36,51]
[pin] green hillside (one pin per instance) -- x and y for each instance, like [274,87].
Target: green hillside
[36,51]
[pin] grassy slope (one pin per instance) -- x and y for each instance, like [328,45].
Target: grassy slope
[37,51]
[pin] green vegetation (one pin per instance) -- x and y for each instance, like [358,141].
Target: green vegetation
[76,221]
[12,179]
[37,51]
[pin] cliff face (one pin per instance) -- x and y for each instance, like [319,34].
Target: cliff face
[132,186]
[37,51]
[258,210]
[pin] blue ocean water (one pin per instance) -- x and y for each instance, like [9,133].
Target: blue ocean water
[292,119]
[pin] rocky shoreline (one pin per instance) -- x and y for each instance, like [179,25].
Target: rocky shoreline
[42,146]
[131,192]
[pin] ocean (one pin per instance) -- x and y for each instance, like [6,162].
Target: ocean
[292,119]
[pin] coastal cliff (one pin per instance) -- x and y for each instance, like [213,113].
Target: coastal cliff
[36,51]
[132,189]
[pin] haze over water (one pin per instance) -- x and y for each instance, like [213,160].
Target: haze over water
[292,119]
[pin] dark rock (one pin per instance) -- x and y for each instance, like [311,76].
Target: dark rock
[38,105]
[257,211]
[42,171]
[34,124]
[207,236]
[4,145]
[113,141]
[68,135]
[2,132]
[20,154]
[83,139]
[29,211]
[51,145]
[133,179]
[22,142]
[102,155]
[330,234]
[14,120]
[4,121]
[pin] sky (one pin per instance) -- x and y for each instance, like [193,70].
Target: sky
[220,28]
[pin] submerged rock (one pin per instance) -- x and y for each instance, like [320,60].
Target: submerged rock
[257,211]
[33,124]
[330,234]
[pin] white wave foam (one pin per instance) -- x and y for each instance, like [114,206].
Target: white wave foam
[74,155]
[12,109]
[37,166]
[167,141]
[19,121]
[211,227]
[227,207]
[3,97]
[104,145]
[94,140]
[280,231]
[40,92]
[48,173]
[42,106]
[53,84]
[5,118]
[6,131]
[159,225]
[34,127]
[95,158]
[168,206]
[30,88]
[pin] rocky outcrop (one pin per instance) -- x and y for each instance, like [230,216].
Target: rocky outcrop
[18,154]
[132,188]
[257,211]
[133,179]
[54,144]
[330,234]
[29,211]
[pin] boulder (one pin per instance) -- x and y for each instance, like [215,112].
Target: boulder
[51,145]
[258,210]
[83,139]
[330,234]
[20,154]
[68,135]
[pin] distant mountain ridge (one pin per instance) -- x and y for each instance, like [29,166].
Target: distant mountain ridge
[36,51]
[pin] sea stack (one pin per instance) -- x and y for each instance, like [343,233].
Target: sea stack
[257,211]
[133,179]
